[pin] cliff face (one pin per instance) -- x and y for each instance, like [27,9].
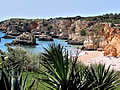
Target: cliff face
[75,31]
[62,27]
[112,41]
[103,35]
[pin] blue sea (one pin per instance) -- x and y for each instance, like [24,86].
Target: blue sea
[38,48]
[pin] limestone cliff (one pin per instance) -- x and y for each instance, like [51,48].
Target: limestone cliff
[75,31]
[112,41]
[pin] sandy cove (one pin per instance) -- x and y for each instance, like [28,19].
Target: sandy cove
[96,57]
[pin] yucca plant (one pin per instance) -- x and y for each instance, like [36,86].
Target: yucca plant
[104,78]
[13,81]
[65,73]
[62,71]
[18,83]
[4,81]
[58,67]
[12,78]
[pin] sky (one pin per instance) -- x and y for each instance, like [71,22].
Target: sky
[56,8]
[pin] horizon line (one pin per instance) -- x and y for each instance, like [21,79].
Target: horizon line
[48,17]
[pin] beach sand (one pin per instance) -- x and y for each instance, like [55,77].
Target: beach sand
[96,57]
[88,55]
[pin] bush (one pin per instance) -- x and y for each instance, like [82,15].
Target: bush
[83,33]
[21,59]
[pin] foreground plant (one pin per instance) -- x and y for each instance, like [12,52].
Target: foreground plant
[104,78]
[65,73]
[20,58]
[13,81]
[59,68]
[11,78]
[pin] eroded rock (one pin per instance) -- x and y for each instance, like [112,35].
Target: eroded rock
[89,45]
[73,42]
[112,46]
[45,38]
[24,39]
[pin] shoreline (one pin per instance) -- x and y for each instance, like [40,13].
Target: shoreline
[97,57]
[85,56]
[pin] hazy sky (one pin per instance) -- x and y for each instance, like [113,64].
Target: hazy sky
[56,8]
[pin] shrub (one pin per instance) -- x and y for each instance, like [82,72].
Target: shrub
[83,33]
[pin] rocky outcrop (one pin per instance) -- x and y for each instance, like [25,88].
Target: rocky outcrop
[63,28]
[112,41]
[73,42]
[76,39]
[45,38]
[24,39]
[110,50]
[89,45]
[112,47]
[63,35]
[60,27]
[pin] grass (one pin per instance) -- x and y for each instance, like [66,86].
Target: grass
[41,85]
[31,77]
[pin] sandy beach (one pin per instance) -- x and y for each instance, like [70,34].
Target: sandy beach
[88,55]
[96,57]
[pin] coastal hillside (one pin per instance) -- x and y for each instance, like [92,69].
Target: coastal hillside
[91,32]
[64,28]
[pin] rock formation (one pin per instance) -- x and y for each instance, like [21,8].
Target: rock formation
[24,39]
[76,39]
[73,42]
[89,45]
[67,28]
[112,41]
[45,38]
[63,35]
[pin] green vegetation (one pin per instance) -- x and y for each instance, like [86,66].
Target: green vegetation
[11,78]
[54,69]
[73,29]
[64,73]
[83,33]
[112,18]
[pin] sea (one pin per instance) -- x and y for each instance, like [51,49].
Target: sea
[41,45]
